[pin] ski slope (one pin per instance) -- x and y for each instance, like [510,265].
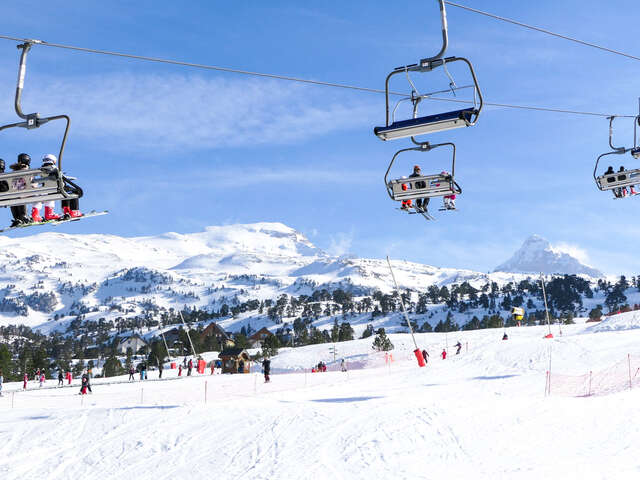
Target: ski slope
[481,414]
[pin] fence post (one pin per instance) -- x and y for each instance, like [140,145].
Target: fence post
[590,375]
[546,383]
[13,394]
[305,377]
[141,396]
[629,363]
[466,347]
[205,391]
[255,383]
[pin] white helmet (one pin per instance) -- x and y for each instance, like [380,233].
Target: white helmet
[49,159]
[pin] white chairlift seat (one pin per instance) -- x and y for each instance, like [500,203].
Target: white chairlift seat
[31,186]
[425,186]
[615,180]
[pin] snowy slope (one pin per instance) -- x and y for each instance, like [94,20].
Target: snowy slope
[538,256]
[480,415]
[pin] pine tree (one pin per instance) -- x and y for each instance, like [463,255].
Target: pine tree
[270,346]
[382,343]
[368,331]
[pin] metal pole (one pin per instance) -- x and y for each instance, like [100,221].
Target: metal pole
[188,336]
[546,309]
[141,395]
[205,391]
[629,362]
[165,342]
[404,311]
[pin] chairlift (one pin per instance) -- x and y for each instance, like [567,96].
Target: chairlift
[405,189]
[419,125]
[620,180]
[37,185]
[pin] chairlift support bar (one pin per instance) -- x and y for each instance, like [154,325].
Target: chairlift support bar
[431,123]
[33,120]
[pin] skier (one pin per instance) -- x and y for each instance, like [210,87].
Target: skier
[266,368]
[132,371]
[69,377]
[421,203]
[160,368]
[458,348]
[213,367]
[405,204]
[143,371]
[425,355]
[189,367]
[343,365]
[25,379]
[449,201]
[19,212]
[444,354]
[179,370]
[241,366]
[60,378]
[84,384]
[505,336]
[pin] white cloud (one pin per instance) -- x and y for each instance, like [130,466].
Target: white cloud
[178,112]
[575,251]
[340,243]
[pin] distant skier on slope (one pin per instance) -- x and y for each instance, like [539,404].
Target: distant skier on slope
[458,348]
[425,355]
[444,354]
[132,371]
[60,378]
[505,336]
[266,367]
[189,367]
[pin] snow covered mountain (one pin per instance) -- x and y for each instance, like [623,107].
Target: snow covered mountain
[47,280]
[538,256]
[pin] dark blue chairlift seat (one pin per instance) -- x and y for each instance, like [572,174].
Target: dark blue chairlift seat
[430,123]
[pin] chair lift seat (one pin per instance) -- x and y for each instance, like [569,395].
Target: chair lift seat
[619,179]
[423,187]
[427,124]
[31,186]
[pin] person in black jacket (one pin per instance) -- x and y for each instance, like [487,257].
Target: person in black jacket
[266,367]
[421,203]
[60,378]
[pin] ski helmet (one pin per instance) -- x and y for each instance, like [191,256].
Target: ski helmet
[49,159]
[24,159]
[416,168]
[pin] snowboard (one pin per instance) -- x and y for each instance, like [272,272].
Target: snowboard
[54,223]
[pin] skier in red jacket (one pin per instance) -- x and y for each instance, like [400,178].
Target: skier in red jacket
[25,380]
[444,354]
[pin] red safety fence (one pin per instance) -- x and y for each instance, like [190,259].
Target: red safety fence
[621,376]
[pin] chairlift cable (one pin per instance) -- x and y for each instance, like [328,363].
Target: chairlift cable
[542,30]
[302,80]
[210,67]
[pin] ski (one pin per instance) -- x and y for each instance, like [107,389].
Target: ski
[92,213]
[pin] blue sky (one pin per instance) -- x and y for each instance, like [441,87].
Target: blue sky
[175,149]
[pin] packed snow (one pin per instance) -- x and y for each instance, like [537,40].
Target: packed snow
[482,414]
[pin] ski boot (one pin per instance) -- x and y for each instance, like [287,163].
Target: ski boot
[49,214]
[35,215]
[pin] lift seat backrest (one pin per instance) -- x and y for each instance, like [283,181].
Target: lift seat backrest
[428,124]
[619,179]
[29,186]
[422,187]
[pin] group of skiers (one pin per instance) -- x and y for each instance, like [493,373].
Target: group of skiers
[70,208]
[449,201]
[425,354]
[620,192]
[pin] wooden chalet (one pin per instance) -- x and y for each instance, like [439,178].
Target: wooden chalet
[232,360]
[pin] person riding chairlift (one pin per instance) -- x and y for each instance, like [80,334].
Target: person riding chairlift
[406,204]
[49,166]
[421,203]
[448,201]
